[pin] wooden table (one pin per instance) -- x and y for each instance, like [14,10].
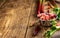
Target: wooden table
[15,18]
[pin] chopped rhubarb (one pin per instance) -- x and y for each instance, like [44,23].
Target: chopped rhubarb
[40,7]
[37,29]
[47,17]
[53,16]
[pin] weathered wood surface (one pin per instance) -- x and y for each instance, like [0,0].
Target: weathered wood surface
[15,18]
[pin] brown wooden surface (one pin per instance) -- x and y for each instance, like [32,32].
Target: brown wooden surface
[15,18]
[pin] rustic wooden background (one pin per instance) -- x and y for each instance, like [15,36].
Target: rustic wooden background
[15,18]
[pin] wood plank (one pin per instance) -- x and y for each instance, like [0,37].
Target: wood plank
[32,18]
[14,16]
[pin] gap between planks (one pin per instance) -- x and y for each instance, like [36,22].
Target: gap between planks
[28,19]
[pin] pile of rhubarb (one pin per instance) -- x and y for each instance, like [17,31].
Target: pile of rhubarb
[44,15]
[51,17]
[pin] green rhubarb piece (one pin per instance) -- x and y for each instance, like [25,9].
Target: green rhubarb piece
[56,10]
[40,1]
[58,15]
[51,32]
[53,22]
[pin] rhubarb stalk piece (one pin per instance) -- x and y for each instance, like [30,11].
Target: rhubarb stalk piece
[40,7]
[36,30]
[53,3]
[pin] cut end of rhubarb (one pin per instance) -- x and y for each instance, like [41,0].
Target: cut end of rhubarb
[36,30]
[47,16]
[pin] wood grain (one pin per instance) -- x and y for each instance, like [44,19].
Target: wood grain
[14,17]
